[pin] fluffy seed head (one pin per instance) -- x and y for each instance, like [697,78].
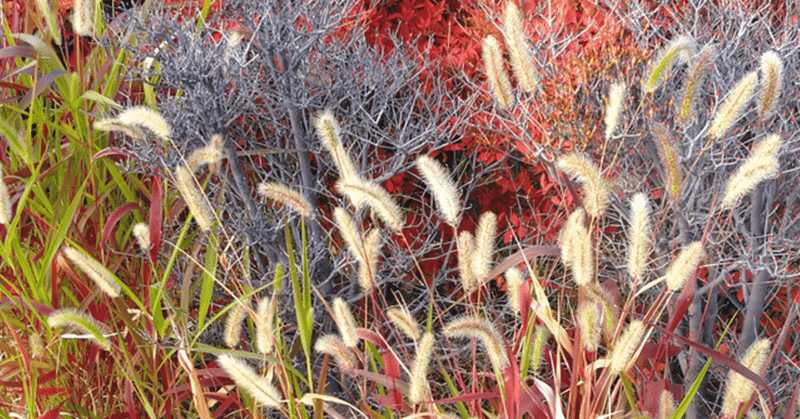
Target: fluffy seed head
[499,85]
[568,236]
[211,154]
[697,70]
[345,322]
[575,242]
[233,324]
[678,50]
[684,265]
[419,370]
[484,247]
[328,131]
[350,234]
[95,270]
[35,345]
[731,108]
[142,116]
[513,282]
[516,40]
[194,197]
[616,98]
[540,336]
[740,389]
[640,236]
[82,322]
[595,188]
[255,385]
[141,231]
[265,317]
[377,198]
[401,318]
[442,187]
[626,347]
[466,246]
[83,17]
[108,125]
[666,405]
[473,327]
[771,83]
[590,318]
[286,196]
[761,164]
[333,345]
[369,267]
[5,202]
[668,154]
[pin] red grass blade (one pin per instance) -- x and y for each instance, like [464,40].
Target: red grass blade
[114,218]
[156,215]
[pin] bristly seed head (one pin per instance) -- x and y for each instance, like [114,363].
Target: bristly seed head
[466,246]
[142,116]
[419,370]
[513,282]
[286,196]
[369,193]
[740,389]
[626,347]
[265,317]
[211,154]
[333,345]
[616,99]
[83,322]
[684,265]
[640,237]
[590,319]
[588,173]
[678,50]
[474,327]
[697,70]
[401,318]
[443,188]
[771,83]
[194,197]
[83,17]
[484,247]
[517,44]
[233,324]
[368,269]
[761,164]
[255,385]
[345,322]
[328,131]
[499,85]
[575,242]
[141,231]
[95,270]
[733,105]
[5,202]
[666,405]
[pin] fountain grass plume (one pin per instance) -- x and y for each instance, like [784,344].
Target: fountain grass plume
[499,85]
[69,317]
[733,105]
[442,187]
[761,164]
[519,55]
[286,196]
[94,270]
[259,388]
